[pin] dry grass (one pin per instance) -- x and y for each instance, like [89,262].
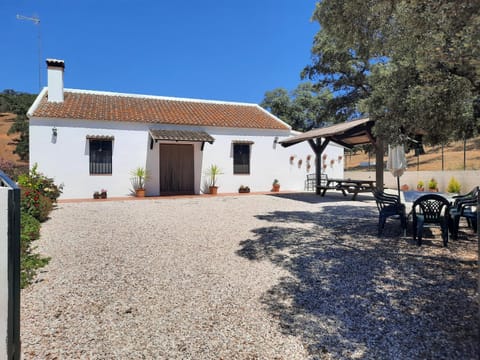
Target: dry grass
[432,160]
[7,144]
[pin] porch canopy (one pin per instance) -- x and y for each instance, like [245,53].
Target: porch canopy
[181,135]
[347,134]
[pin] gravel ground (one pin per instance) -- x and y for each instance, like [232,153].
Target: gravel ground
[246,277]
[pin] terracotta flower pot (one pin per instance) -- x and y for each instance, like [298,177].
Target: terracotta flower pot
[140,192]
[276,187]
[213,190]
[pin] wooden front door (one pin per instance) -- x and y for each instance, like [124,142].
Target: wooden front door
[176,169]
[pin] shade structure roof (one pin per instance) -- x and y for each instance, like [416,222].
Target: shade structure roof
[348,134]
[181,135]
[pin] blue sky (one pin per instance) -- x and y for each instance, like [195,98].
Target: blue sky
[209,49]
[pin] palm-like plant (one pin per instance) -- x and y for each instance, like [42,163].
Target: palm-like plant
[140,175]
[214,172]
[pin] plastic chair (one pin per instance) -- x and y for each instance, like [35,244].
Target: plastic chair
[389,206]
[430,209]
[464,206]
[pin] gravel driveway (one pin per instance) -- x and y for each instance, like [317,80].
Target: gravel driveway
[246,277]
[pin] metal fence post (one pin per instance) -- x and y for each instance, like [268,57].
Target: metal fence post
[9,268]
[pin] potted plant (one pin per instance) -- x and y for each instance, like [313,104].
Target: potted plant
[103,194]
[96,195]
[276,185]
[420,186]
[404,187]
[243,189]
[432,185]
[453,186]
[213,172]
[140,175]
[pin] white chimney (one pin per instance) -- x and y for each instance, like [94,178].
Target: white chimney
[55,79]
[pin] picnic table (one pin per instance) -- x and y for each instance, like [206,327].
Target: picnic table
[351,186]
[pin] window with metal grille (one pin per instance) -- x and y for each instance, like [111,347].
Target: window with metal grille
[100,157]
[241,158]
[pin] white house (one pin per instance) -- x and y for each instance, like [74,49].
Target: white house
[90,140]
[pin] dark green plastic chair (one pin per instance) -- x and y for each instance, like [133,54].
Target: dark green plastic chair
[389,206]
[464,206]
[430,209]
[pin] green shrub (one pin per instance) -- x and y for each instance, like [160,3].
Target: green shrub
[39,182]
[38,194]
[453,186]
[35,204]
[29,226]
[29,262]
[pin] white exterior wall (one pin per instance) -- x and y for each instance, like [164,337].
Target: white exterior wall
[267,161]
[66,158]
[467,179]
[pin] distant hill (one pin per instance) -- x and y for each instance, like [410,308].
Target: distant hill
[13,112]
[7,143]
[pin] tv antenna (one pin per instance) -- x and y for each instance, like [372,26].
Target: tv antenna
[36,20]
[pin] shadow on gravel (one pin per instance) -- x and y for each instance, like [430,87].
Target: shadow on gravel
[312,198]
[349,294]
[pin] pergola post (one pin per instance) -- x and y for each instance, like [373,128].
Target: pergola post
[318,146]
[348,134]
[379,163]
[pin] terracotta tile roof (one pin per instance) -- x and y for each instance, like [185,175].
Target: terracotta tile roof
[177,135]
[156,110]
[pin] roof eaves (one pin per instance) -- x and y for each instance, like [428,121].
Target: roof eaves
[37,101]
[274,117]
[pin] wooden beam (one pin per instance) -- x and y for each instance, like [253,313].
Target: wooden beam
[379,163]
[313,145]
[344,144]
[319,148]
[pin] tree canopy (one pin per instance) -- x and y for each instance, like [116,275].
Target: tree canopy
[303,108]
[409,65]
[18,103]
